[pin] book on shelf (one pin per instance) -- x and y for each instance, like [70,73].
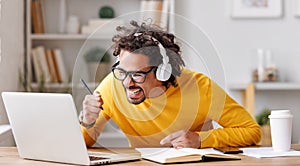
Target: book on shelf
[37,17]
[40,64]
[172,155]
[55,67]
[51,66]
[36,67]
[156,10]
[61,68]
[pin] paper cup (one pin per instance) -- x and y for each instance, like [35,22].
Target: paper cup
[281,130]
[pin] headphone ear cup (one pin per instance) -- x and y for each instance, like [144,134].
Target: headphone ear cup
[163,72]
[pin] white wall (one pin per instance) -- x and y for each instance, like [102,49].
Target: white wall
[12,47]
[237,40]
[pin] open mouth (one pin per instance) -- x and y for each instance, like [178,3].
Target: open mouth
[134,93]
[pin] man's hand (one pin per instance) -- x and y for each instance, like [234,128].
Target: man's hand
[182,139]
[92,105]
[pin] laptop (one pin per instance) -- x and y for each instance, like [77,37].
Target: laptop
[45,127]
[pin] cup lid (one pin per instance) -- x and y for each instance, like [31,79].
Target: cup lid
[280,114]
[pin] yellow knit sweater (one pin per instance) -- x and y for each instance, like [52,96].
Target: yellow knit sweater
[195,100]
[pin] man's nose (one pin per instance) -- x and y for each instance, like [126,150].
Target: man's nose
[128,81]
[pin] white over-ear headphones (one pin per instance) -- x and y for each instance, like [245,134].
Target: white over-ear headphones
[164,70]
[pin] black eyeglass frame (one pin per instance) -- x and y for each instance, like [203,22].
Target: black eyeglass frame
[131,73]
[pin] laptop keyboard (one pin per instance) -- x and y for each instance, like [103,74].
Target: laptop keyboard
[93,158]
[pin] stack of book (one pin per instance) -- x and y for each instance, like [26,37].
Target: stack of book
[48,65]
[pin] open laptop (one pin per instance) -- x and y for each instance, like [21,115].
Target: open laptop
[45,127]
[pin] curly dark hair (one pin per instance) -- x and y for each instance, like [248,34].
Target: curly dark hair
[143,43]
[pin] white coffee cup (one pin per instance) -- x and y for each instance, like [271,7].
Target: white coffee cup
[281,130]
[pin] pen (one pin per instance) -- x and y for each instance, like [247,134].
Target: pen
[87,88]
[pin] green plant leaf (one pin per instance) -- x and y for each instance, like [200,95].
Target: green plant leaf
[262,118]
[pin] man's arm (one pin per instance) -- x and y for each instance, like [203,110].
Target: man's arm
[95,117]
[239,127]
[91,134]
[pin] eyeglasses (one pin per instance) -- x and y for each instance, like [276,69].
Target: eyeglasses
[136,76]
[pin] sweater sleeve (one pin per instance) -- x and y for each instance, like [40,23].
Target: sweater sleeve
[91,135]
[239,127]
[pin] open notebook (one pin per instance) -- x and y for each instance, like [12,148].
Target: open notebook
[45,127]
[172,155]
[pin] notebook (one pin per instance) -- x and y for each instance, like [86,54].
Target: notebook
[45,127]
[172,155]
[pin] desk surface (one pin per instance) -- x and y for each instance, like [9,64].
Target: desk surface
[9,156]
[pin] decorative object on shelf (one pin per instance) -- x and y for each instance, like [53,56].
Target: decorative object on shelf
[73,25]
[256,8]
[98,61]
[260,67]
[266,70]
[106,12]
[101,27]
[62,17]
[264,122]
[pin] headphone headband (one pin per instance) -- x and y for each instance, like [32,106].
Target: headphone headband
[162,50]
[164,70]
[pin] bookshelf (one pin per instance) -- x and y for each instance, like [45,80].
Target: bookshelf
[72,45]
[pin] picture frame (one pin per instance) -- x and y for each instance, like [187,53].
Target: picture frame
[256,8]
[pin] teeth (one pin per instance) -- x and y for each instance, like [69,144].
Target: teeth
[134,91]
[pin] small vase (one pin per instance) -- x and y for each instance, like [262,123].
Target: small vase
[62,16]
[73,25]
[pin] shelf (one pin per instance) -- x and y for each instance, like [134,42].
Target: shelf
[63,85]
[52,85]
[267,86]
[69,37]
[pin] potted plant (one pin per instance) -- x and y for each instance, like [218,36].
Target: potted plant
[264,122]
[98,61]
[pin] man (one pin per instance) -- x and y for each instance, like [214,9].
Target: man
[167,104]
